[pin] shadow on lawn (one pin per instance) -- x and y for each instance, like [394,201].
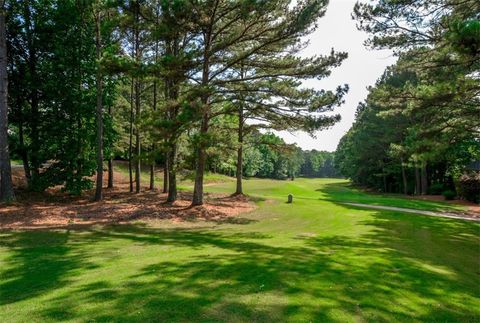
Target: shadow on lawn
[413,267]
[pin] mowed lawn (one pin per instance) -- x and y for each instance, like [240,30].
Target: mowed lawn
[314,260]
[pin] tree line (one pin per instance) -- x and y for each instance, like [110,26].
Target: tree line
[418,131]
[190,84]
[265,155]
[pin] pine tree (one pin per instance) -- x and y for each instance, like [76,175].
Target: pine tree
[6,187]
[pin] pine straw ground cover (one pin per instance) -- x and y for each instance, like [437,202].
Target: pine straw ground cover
[54,209]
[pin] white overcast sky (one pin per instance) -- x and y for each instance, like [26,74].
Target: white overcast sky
[362,68]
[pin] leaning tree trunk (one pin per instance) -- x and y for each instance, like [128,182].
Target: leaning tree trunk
[6,187]
[99,115]
[239,190]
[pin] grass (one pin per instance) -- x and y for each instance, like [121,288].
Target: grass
[313,260]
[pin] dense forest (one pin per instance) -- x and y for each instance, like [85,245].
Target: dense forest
[418,132]
[188,85]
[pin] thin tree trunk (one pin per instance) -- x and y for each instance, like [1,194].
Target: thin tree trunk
[418,184]
[34,101]
[165,174]
[99,114]
[152,166]
[172,174]
[424,178]
[404,178]
[130,142]
[6,186]
[110,173]
[23,148]
[239,190]
[384,183]
[138,148]
[110,159]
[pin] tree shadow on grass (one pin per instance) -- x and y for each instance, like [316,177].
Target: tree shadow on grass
[38,262]
[402,269]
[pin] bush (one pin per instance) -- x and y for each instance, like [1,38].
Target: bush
[449,195]
[469,187]
[436,189]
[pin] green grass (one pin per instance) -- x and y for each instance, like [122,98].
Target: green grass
[314,260]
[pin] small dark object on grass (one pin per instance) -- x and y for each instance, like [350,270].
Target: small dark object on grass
[449,194]
[290,198]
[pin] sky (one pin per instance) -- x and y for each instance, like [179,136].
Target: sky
[361,69]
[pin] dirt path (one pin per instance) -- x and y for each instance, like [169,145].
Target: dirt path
[423,212]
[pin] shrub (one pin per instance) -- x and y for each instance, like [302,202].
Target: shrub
[436,189]
[449,194]
[469,187]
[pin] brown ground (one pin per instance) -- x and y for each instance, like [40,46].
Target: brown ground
[54,209]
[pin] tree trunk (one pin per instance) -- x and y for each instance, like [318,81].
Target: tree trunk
[152,177]
[424,178]
[172,174]
[418,184]
[201,154]
[138,148]
[165,174]
[110,159]
[152,166]
[130,141]
[200,169]
[6,186]
[404,178]
[34,101]
[110,173]
[99,114]
[384,183]
[239,190]
[23,148]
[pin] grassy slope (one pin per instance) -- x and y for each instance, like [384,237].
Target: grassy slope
[313,260]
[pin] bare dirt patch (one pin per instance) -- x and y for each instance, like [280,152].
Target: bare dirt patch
[54,209]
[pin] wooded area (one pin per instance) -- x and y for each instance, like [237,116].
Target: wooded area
[187,85]
[418,130]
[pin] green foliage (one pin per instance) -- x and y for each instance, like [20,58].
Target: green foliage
[449,194]
[436,189]
[52,70]
[423,113]
[469,187]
